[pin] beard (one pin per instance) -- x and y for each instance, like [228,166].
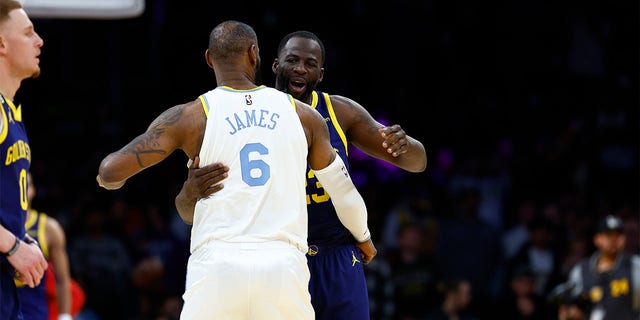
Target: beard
[282,84]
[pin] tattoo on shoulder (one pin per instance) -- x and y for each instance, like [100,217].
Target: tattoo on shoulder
[167,118]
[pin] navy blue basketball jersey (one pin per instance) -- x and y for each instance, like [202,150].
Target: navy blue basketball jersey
[338,287]
[325,229]
[33,301]
[16,158]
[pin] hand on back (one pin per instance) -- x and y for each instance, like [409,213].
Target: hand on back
[395,140]
[205,181]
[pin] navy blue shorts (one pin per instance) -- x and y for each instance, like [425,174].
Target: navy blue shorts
[9,308]
[338,287]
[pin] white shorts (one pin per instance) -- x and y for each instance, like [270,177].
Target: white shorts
[247,281]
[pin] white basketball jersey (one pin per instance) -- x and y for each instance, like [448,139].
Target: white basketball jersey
[258,134]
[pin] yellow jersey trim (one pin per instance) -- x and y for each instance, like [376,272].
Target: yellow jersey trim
[204,105]
[4,125]
[335,122]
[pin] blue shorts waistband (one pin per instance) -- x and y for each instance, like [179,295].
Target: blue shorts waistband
[320,249]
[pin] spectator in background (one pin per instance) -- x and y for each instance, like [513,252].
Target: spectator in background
[631,230]
[464,240]
[158,273]
[609,279]
[380,288]
[102,266]
[575,250]
[539,255]
[456,298]
[520,301]
[517,233]
[413,274]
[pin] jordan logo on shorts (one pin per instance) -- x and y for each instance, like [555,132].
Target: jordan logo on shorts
[353,259]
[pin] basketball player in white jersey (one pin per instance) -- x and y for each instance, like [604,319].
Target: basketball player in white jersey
[248,241]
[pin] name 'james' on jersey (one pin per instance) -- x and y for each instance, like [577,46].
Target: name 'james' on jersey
[258,134]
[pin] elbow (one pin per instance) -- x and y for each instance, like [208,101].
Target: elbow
[423,165]
[419,165]
[417,158]
[108,177]
[423,159]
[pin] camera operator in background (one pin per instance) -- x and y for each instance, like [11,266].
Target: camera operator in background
[609,280]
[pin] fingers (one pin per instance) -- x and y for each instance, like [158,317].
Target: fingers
[214,188]
[27,279]
[218,174]
[32,275]
[396,141]
[205,181]
[212,174]
[35,278]
[367,258]
[367,251]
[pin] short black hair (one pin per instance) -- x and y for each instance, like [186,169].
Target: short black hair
[302,34]
[231,38]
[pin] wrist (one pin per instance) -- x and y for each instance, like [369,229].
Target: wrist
[14,248]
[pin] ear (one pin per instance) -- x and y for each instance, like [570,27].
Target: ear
[207,57]
[274,66]
[321,76]
[3,43]
[254,53]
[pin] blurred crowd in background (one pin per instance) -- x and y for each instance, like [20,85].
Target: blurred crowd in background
[528,113]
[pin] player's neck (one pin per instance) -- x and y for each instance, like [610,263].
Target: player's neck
[606,262]
[8,85]
[238,84]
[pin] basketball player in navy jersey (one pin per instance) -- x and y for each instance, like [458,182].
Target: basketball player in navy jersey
[19,50]
[338,286]
[248,243]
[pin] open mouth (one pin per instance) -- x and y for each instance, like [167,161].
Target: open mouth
[297,87]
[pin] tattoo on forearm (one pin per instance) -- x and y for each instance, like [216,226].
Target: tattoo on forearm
[147,143]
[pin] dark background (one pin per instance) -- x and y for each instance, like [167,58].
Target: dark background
[543,94]
[460,75]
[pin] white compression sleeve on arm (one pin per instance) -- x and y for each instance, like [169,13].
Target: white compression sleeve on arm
[348,202]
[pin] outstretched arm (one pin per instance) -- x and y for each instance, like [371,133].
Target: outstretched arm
[200,183]
[389,143]
[179,127]
[331,172]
